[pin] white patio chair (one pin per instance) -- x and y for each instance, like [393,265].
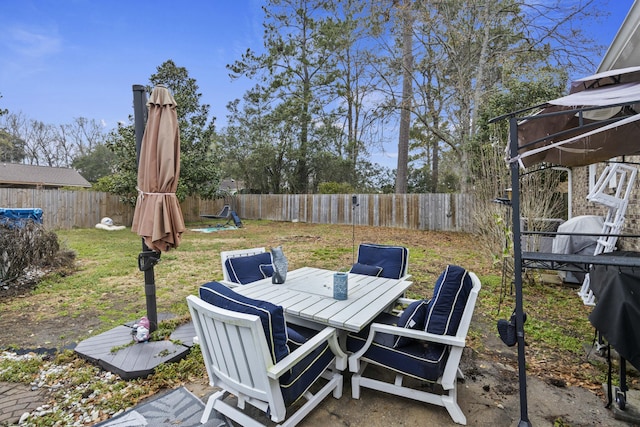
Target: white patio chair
[256,367]
[425,343]
[244,266]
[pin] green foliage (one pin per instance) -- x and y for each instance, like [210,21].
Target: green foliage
[107,184]
[331,74]
[84,382]
[166,327]
[422,180]
[97,163]
[123,181]
[518,90]
[560,422]
[296,72]
[490,171]
[199,174]
[23,370]
[190,368]
[12,148]
[335,188]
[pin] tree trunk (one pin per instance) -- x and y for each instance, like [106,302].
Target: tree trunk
[407,94]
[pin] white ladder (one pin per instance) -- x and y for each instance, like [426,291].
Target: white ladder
[612,190]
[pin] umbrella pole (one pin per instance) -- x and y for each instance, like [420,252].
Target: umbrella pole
[147,258]
[517,270]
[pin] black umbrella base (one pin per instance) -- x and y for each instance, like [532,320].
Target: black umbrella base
[113,351]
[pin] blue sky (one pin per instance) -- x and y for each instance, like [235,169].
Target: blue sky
[62,59]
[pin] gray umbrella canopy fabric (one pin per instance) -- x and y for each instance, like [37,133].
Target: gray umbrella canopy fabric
[157,217]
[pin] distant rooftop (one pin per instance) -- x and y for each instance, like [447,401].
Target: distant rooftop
[19,175]
[231,186]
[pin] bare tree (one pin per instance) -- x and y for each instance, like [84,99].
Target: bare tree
[49,145]
[464,49]
[83,134]
[356,88]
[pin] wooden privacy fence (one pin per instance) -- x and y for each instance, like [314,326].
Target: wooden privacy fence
[84,209]
[68,209]
[443,212]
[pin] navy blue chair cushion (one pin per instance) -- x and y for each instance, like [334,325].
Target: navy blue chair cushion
[392,259]
[367,270]
[414,359]
[305,373]
[271,315]
[450,296]
[413,317]
[246,269]
[266,270]
[295,338]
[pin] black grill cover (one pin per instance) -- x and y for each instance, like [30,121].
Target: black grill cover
[617,312]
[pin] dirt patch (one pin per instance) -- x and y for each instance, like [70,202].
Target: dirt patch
[49,336]
[26,330]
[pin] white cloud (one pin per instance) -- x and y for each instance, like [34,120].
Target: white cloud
[32,44]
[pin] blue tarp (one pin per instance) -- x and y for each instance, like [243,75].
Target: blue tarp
[19,216]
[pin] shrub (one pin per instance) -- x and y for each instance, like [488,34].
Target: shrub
[29,246]
[335,188]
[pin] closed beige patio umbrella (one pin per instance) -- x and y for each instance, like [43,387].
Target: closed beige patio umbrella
[157,217]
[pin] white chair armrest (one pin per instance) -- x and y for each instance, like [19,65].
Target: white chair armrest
[229,284]
[354,364]
[326,335]
[418,334]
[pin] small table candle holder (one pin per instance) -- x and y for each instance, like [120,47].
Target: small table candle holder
[340,286]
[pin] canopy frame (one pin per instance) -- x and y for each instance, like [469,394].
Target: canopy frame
[514,151]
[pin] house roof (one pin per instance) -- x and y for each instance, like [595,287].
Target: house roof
[624,51]
[19,174]
[231,186]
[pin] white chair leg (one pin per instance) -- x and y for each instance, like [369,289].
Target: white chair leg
[209,406]
[451,404]
[337,392]
[355,381]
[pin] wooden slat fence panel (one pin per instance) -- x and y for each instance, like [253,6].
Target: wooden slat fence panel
[442,212]
[68,209]
[439,212]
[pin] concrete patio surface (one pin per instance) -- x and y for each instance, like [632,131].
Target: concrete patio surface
[488,396]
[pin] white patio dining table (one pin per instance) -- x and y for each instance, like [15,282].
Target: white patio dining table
[307,298]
